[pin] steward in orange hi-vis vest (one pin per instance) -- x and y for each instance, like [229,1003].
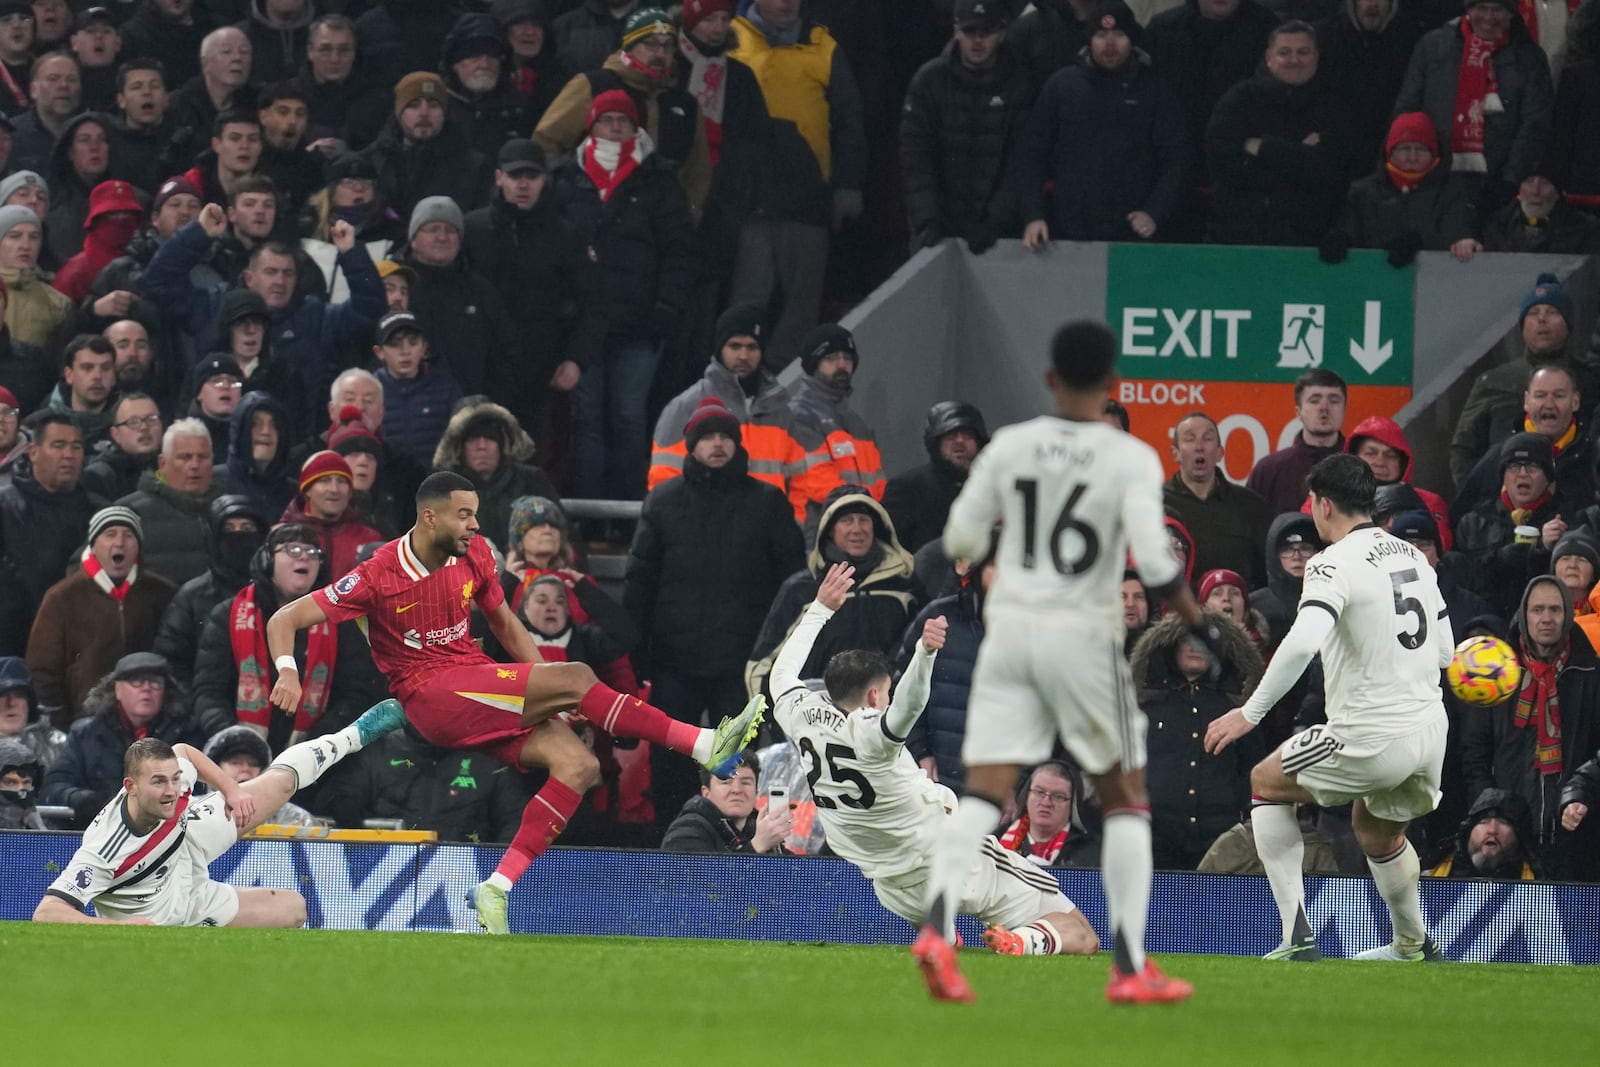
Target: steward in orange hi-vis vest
[844,448]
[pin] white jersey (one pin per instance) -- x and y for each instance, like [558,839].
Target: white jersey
[878,809]
[1072,498]
[1391,635]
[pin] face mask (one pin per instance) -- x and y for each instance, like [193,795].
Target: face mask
[355,214]
[235,549]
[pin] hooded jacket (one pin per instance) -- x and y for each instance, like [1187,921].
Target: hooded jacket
[1389,433]
[1179,532]
[18,808]
[832,431]
[711,550]
[1519,866]
[515,476]
[1279,600]
[494,117]
[1194,797]
[69,194]
[269,487]
[875,613]
[277,48]
[588,34]
[1496,753]
[178,636]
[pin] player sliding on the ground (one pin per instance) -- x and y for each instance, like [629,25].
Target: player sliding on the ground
[880,811]
[144,859]
[416,595]
[1073,494]
[1371,605]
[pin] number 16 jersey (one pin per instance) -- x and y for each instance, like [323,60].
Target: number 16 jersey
[1391,633]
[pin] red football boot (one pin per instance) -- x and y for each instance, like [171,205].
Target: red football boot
[1151,987]
[937,958]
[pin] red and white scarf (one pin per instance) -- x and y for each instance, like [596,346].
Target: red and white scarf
[708,84]
[248,635]
[608,163]
[1539,704]
[1016,839]
[117,591]
[1477,97]
[1529,10]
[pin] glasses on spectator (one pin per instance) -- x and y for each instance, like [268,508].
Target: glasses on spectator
[223,381]
[9,20]
[1299,548]
[301,551]
[8,413]
[1523,467]
[149,681]
[652,44]
[137,421]
[1045,794]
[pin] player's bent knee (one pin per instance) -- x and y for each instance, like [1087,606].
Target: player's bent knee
[1077,936]
[580,772]
[294,910]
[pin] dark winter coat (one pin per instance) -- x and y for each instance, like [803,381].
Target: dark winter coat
[400,36]
[1364,69]
[1280,478]
[352,111]
[69,194]
[1575,466]
[151,33]
[1288,194]
[515,477]
[943,723]
[1048,39]
[445,166]
[1568,231]
[700,827]
[1514,139]
[276,52]
[1279,600]
[270,488]
[26,371]
[587,34]
[1574,153]
[416,410]
[1440,211]
[1228,527]
[193,116]
[1520,865]
[1106,143]
[493,118]
[709,554]
[40,533]
[178,635]
[918,500]
[469,329]
[147,154]
[174,527]
[113,473]
[959,133]
[1501,567]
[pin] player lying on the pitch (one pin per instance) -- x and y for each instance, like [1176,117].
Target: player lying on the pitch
[144,859]
[880,811]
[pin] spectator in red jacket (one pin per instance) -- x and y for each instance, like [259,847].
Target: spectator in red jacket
[326,488]
[114,218]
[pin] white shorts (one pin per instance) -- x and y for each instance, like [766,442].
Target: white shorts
[1397,776]
[1002,888]
[187,896]
[1038,679]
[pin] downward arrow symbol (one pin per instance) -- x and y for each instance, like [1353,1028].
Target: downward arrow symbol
[1367,351]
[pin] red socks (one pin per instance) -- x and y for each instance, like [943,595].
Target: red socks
[542,822]
[625,716]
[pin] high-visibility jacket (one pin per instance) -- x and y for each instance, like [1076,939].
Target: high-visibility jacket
[794,79]
[843,446]
[766,429]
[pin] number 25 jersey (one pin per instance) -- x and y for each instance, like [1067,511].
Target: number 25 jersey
[1073,498]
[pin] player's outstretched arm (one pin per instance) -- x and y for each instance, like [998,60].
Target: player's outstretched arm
[55,910]
[241,805]
[911,693]
[281,628]
[1304,639]
[791,659]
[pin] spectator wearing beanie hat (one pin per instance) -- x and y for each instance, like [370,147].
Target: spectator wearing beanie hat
[735,377]
[25,371]
[36,314]
[1409,204]
[12,443]
[1452,569]
[537,546]
[114,218]
[485,444]
[1227,592]
[1495,403]
[1550,407]
[1508,539]
[243,755]
[418,397]
[105,609]
[826,425]
[732,109]
[422,152]
[1540,219]
[326,488]
[371,503]
[644,72]
[476,71]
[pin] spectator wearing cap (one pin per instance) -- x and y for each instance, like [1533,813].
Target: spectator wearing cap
[418,396]
[1551,406]
[36,313]
[171,501]
[20,718]
[592,30]
[351,195]
[95,43]
[87,393]
[1106,141]
[243,755]
[638,276]
[233,671]
[1201,51]
[853,529]
[964,114]
[535,67]
[709,554]
[88,620]
[420,153]
[114,218]
[347,105]
[44,513]
[130,448]
[806,80]
[918,500]
[1540,219]
[243,324]
[1545,323]
[235,527]
[286,153]
[736,378]
[531,253]
[56,91]
[1409,204]
[138,698]
[213,388]
[326,487]
[16,53]
[256,463]
[398,280]
[169,33]
[141,122]
[371,503]
[824,422]
[477,74]
[645,70]
[278,31]
[26,373]
[1508,539]
[116,294]
[1495,127]
[484,443]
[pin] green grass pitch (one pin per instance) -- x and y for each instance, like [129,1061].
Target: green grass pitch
[230,997]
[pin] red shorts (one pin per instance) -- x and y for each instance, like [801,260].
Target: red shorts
[478,707]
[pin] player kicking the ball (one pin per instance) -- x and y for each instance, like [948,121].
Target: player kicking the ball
[1370,603]
[416,595]
[880,811]
[1073,494]
[144,859]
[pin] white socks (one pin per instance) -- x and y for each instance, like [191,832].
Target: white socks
[310,760]
[1125,869]
[1282,851]
[702,747]
[958,848]
[1397,875]
[1039,939]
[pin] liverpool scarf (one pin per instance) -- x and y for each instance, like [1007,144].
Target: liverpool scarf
[708,84]
[117,591]
[248,634]
[1529,10]
[1476,97]
[1015,839]
[1539,704]
[1566,439]
[609,163]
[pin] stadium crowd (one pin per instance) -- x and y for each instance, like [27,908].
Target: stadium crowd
[264,264]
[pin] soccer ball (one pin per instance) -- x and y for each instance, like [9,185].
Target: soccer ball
[1484,671]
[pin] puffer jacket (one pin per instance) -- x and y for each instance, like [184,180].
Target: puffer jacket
[711,550]
[1515,138]
[269,488]
[174,526]
[448,165]
[113,473]
[178,636]
[469,329]
[1439,210]
[874,615]
[40,532]
[1047,39]
[943,723]
[959,132]
[515,477]
[1104,143]
[25,370]
[491,118]
[700,827]
[588,33]
[416,410]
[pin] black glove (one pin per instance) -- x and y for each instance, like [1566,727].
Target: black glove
[927,237]
[1404,248]
[981,237]
[1335,247]
[86,804]
[1209,633]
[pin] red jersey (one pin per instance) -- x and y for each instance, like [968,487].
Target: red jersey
[416,622]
